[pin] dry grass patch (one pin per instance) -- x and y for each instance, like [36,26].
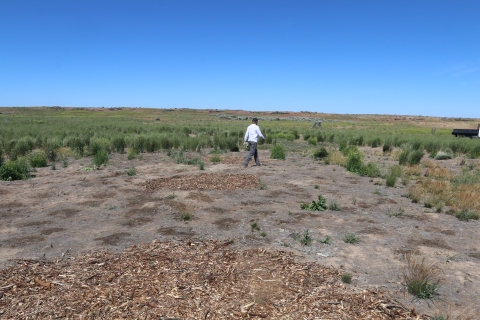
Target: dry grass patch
[439,173]
[336,157]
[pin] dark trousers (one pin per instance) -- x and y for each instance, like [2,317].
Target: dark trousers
[253,152]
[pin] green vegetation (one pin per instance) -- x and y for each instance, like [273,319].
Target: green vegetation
[278,152]
[422,278]
[351,238]
[320,205]
[346,278]
[305,239]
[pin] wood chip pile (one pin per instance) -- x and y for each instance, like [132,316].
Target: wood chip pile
[186,280]
[205,181]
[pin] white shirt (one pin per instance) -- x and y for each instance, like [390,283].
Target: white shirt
[252,134]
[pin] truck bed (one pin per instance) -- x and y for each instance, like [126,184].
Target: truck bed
[465,132]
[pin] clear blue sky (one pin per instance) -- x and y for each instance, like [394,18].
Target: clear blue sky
[409,57]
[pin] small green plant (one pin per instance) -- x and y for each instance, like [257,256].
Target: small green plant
[171,196]
[262,185]
[263,234]
[285,244]
[316,186]
[347,278]
[467,215]
[351,238]
[100,158]
[131,171]
[390,180]
[422,278]
[334,206]
[397,213]
[185,216]
[320,153]
[305,239]
[354,200]
[319,205]
[327,240]
[54,167]
[278,152]
[110,207]
[377,192]
[201,165]
[255,226]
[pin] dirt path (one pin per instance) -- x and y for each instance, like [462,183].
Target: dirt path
[71,210]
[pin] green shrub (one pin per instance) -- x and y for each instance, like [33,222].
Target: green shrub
[376,142]
[371,170]
[387,147]
[474,152]
[391,180]
[99,159]
[334,206]
[320,205]
[131,171]
[403,158]
[312,141]
[305,239]
[278,152]
[415,157]
[320,153]
[355,163]
[14,170]
[119,144]
[38,159]
[1,157]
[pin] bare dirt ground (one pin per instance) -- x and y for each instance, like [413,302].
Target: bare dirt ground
[72,211]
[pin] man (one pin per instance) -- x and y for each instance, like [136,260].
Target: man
[251,136]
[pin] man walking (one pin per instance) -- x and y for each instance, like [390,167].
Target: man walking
[251,136]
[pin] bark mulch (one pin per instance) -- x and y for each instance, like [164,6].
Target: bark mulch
[186,280]
[205,181]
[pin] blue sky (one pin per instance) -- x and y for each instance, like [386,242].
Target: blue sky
[358,57]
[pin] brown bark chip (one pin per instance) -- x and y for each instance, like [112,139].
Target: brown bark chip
[210,181]
[187,280]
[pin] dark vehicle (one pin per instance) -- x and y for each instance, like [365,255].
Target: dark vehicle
[472,133]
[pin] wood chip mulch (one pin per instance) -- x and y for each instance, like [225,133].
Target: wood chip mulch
[205,181]
[186,280]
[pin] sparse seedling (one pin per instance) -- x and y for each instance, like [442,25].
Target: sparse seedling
[131,171]
[316,186]
[110,207]
[397,213]
[305,239]
[255,226]
[263,234]
[377,192]
[422,278]
[327,240]
[285,244]
[351,238]
[171,196]
[354,201]
[334,206]
[185,216]
[347,278]
[262,185]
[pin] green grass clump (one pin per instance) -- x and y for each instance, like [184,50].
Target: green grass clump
[305,239]
[278,152]
[466,215]
[100,158]
[346,278]
[38,159]
[422,278]
[320,205]
[327,240]
[255,226]
[351,238]
[334,206]
[320,153]
[14,170]
[131,171]
[185,216]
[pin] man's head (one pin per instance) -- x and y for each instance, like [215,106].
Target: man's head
[254,120]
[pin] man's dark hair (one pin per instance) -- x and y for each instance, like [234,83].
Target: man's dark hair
[254,120]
